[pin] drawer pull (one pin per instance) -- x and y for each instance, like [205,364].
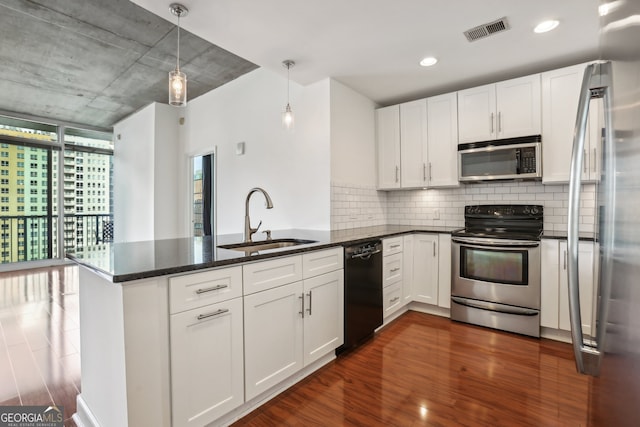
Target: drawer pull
[211,289]
[394,246]
[394,300]
[393,270]
[215,313]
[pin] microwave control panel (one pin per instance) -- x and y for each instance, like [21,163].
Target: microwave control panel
[527,160]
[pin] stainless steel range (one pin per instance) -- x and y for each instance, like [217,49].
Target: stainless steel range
[496,268]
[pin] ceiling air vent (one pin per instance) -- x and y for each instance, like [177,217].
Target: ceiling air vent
[485,30]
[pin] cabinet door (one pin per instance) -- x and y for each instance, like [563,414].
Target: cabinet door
[273,328]
[549,287]
[407,269]
[477,114]
[425,268]
[518,107]
[442,141]
[206,363]
[324,315]
[560,92]
[388,144]
[587,271]
[444,270]
[413,144]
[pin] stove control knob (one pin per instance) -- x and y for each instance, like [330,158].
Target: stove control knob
[526,210]
[534,210]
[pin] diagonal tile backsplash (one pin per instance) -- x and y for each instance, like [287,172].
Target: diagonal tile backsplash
[358,206]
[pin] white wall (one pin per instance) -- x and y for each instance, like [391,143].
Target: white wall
[294,168]
[353,146]
[144,175]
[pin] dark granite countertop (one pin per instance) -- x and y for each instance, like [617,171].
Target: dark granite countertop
[123,262]
[562,235]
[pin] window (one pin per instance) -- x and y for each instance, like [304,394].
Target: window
[34,200]
[33,174]
[20,208]
[4,199]
[4,208]
[21,173]
[20,191]
[33,157]
[4,181]
[33,208]
[4,154]
[20,164]
[4,163]
[4,191]
[4,172]
[20,156]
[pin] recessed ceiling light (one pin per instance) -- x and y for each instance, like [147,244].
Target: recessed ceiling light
[545,26]
[606,8]
[428,61]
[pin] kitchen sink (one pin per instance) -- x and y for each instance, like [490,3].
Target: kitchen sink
[266,244]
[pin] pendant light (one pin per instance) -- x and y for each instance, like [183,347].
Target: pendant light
[287,115]
[178,79]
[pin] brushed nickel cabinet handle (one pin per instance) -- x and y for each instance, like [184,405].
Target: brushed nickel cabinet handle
[215,313]
[309,309]
[394,300]
[491,122]
[393,270]
[397,170]
[301,312]
[211,289]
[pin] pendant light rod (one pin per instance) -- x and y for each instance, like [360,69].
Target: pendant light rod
[178,10]
[288,64]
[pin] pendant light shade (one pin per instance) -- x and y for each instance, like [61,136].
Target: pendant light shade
[178,79]
[287,115]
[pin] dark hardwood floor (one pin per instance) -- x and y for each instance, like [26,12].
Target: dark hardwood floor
[40,338]
[426,370]
[420,370]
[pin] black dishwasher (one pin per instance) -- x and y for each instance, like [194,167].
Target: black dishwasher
[362,292]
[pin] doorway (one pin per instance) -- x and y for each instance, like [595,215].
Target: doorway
[202,196]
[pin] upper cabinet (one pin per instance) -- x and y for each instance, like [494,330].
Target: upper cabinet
[411,136]
[560,93]
[502,110]
[442,140]
[388,141]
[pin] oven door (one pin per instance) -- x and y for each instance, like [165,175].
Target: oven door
[497,271]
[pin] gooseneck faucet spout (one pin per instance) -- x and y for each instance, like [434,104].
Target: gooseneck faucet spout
[248,231]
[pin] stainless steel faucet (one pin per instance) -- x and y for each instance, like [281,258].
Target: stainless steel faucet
[248,231]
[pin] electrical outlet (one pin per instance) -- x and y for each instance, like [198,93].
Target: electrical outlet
[436,214]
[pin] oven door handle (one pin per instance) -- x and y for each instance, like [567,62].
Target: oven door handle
[496,243]
[499,308]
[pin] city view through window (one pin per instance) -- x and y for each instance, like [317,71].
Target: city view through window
[42,168]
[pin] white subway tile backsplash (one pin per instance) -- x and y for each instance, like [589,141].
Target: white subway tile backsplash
[357,206]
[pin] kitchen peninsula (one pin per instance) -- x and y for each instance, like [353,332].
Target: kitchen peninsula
[144,308]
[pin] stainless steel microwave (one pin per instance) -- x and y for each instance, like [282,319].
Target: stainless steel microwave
[514,158]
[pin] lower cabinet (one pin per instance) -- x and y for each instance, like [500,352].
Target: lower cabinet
[206,362]
[425,268]
[289,327]
[554,304]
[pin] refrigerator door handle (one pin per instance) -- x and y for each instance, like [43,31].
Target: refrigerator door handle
[595,84]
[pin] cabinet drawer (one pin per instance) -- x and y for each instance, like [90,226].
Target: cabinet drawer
[199,289]
[317,263]
[260,276]
[392,245]
[391,269]
[392,298]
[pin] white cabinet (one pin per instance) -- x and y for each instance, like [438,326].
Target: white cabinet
[273,328]
[392,274]
[442,141]
[554,303]
[425,268]
[413,144]
[288,326]
[502,110]
[560,93]
[417,143]
[388,146]
[587,272]
[324,315]
[207,372]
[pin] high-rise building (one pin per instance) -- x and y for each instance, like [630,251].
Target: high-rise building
[29,182]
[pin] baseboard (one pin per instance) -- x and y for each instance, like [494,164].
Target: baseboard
[83,416]
[430,309]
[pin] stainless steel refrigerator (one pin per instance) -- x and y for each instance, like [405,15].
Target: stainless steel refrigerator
[612,358]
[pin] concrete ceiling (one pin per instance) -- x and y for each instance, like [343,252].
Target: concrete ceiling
[94,62]
[374,46]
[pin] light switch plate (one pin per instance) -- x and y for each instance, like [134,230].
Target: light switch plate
[240,148]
